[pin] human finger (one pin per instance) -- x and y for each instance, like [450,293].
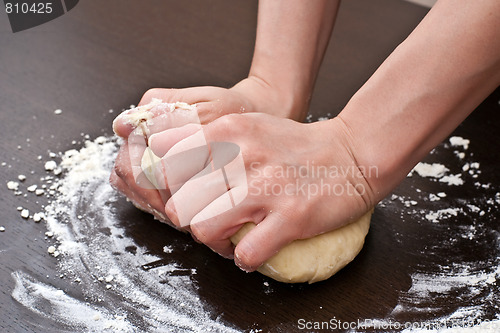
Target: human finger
[264,241]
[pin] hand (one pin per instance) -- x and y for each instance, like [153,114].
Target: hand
[249,95]
[301,180]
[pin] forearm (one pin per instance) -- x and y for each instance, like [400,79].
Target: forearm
[292,36]
[425,89]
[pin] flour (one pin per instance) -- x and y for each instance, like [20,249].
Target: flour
[168,249]
[156,300]
[25,213]
[438,171]
[473,286]
[90,318]
[459,141]
[50,165]
[37,217]
[472,283]
[442,213]
[452,179]
[435,170]
[12,185]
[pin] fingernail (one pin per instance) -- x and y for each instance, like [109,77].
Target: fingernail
[196,239]
[170,208]
[238,261]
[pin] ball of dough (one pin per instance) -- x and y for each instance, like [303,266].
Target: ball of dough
[148,162]
[317,258]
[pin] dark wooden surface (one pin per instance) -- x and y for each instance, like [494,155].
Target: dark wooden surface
[105,54]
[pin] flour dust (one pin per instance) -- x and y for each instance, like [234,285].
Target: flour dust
[119,296]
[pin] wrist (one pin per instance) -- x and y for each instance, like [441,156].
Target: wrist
[266,97]
[379,171]
[342,158]
[384,138]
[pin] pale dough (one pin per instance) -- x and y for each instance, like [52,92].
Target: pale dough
[148,163]
[307,260]
[317,258]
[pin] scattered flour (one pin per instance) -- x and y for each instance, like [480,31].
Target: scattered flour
[442,213]
[12,185]
[30,292]
[37,217]
[167,249]
[440,172]
[50,165]
[25,213]
[460,278]
[459,141]
[471,286]
[154,300]
[433,197]
[452,179]
[434,170]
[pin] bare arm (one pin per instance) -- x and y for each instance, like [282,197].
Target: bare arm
[292,36]
[425,89]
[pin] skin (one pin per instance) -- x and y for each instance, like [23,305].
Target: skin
[424,89]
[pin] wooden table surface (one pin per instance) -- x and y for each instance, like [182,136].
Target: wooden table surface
[105,54]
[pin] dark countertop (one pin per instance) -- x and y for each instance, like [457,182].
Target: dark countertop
[105,54]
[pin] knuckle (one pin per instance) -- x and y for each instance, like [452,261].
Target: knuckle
[171,214]
[114,179]
[121,167]
[150,93]
[231,125]
[200,231]
[118,171]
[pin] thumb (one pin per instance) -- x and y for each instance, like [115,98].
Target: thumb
[263,242]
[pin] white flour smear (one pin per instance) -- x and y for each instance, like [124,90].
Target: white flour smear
[460,290]
[118,295]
